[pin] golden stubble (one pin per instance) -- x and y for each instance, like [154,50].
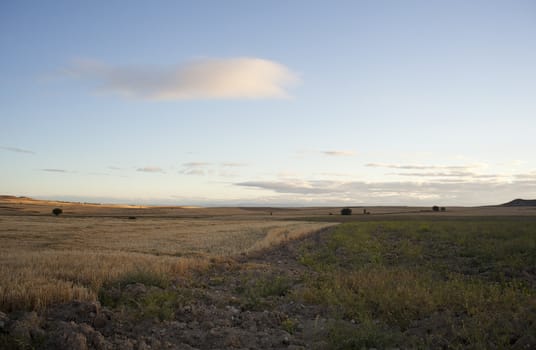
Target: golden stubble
[47,260]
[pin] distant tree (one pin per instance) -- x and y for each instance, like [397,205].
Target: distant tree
[346,211]
[57,211]
[443,209]
[435,208]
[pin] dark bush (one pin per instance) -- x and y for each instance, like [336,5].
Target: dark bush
[346,211]
[435,208]
[443,209]
[57,211]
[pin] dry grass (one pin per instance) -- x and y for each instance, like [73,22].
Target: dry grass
[46,260]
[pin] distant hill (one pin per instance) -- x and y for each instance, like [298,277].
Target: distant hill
[520,203]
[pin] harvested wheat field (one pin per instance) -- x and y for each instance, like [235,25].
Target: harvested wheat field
[46,259]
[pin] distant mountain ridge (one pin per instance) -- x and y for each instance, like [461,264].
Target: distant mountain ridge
[520,203]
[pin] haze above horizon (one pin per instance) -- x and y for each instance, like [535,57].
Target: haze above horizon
[270,103]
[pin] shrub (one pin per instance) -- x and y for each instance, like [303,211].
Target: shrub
[443,209]
[435,208]
[346,211]
[57,211]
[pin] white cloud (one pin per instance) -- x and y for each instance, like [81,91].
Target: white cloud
[195,164]
[222,169]
[211,78]
[421,167]
[233,164]
[339,153]
[150,169]
[194,171]
[293,186]
[56,170]
[461,174]
[195,168]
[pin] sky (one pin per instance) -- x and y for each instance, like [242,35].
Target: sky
[289,103]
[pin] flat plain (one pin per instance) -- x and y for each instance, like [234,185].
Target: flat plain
[110,276]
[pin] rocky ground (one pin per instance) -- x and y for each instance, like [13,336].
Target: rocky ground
[239,303]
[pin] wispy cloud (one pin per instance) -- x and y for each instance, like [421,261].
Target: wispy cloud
[223,169]
[56,170]
[195,164]
[454,172]
[209,78]
[17,150]
[339,153]
[293,186]
[233,165]
[195,168]
[446,174]
[419,167]
[527,176]
[150,169]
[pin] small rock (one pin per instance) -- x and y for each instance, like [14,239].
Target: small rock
[142,345]
[19,330]
[26,325]
[3,320]
[233,341]
[37,333]
[75,341]
[84,328]
[100,321]
[97,341]
[286,340]
[233,309]
[126,344]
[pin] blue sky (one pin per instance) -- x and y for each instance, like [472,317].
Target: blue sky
[280,102]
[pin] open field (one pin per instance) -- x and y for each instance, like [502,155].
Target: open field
[46,260]
[207,278]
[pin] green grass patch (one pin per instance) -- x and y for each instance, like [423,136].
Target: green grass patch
[145,294]
[257,291]
[397,279]
[290,325]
